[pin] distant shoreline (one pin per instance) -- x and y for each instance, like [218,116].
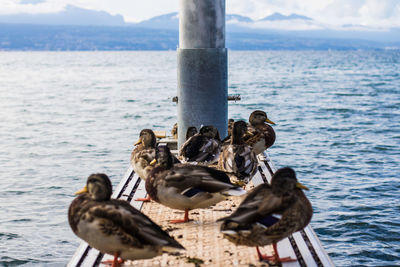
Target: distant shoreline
[24,37]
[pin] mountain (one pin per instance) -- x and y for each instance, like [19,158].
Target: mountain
[237,18]
[168,21]
[116,38]
[81,29]
[71,15]
[279,16]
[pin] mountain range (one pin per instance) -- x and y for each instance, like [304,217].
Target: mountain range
[81,29]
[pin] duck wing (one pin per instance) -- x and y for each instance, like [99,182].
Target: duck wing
[191,146]
[189,177]
[258,203]
[130,225]
[294,218]
[269,135]
[200,148]
[246,162]
[140,160]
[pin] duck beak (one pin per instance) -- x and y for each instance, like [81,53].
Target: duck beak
[301,186]
[153,162]
[82,191]
[138,142]
[269,121]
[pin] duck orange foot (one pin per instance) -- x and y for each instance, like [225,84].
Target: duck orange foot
[146,199]
[116,262]
[185,218]
[274,258]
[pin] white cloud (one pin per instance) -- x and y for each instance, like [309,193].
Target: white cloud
[378,13]
[292,25]
[34,2]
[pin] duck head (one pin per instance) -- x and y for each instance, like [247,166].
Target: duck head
[147,138]
[259,117]
[98,187]
[284,182]
[163,158]
[210,131]
[190,132]
[238,130]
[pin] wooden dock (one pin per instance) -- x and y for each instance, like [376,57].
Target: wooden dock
[201,237]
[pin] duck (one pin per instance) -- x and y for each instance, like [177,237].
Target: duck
[115,227]
[269,213]
[203,147]
[144,153]
[187,186]
[191,131]
[237,158]
[262,134]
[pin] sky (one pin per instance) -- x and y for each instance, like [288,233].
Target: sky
[371,13]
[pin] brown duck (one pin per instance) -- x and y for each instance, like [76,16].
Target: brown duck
[269,214]
[203,147]
[187,186]
[262,134]
[115,227]
[237,158]
[144,153]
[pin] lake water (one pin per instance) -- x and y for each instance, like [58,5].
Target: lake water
[65,115]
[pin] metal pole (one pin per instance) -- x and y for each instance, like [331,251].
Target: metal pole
[202,66]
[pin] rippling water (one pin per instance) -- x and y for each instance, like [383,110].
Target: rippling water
[66,115]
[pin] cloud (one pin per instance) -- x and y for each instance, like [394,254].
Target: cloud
[378,13]
[33,2]
[379,9]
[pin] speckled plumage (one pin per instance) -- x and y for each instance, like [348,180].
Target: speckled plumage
[202,147]
[262,135]
[270,212]
[114,226]
[144,153]
[186,186]
[237,157]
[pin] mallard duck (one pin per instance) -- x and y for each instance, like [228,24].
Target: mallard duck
[203,147]
[115,227]
[238,158]
[144,153]
[262,134]
[186,186]
[269,213]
